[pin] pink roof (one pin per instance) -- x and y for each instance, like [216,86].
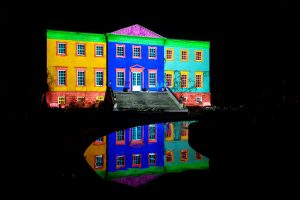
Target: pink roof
[137,30]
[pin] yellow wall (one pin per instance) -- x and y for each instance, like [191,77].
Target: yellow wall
[70,61]
[94,150]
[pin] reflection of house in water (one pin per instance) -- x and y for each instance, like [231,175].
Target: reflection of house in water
[140,154]
[96,157]
[179,156]
[136,151]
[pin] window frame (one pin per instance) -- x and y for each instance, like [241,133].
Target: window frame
[140,48]
[172,55]
[80,70]
[186,153]
[124,160]
[172,78]
[149,128]
[57,71]
[121,142]
[149,163]
[149,50]
[99,70]
[95,159]
[187,55]
[95,48]
[187,79]
[152,71]
[140,160]
[124,50]
[201,80]
[84,45]
[169,152]
[57,48]
[120,70]
[198,51]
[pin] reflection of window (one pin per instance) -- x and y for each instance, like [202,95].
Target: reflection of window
[99,141]
[198,156]
[120,161]
[169,130]
[136,133]
[99,161]
[184,155]
[120,137]
[136,160]
[152,133]
[152,159]
[169,156]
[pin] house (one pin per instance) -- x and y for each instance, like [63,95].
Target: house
[76,68]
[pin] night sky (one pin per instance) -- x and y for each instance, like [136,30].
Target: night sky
[251,60]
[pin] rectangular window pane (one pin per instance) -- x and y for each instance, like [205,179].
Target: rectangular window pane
[61,77]
[99,161]
[120,78]
[80,78]
[99,50]
[61,48]
[169,80]
[183,80]
[152,132]
[99,78]
[81,49]
[152,79]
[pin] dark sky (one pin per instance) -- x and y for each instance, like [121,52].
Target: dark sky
[251,56]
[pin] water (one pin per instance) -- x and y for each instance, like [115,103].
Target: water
[138,155]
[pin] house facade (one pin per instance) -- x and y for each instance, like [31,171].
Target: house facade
[135,59]
[80,66]
[187,71]
[76,68]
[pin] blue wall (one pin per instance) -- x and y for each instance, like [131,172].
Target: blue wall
[143,149]
[128,61]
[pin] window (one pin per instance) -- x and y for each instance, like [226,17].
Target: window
[184,131]
[120,78]
[61,77]
[184,55]
[183,80]
[136,133]
[152,159]
[120,161]
[100,139]
[99,161]
[184,99]
[81,78]
[136,52]
[152,78]
[120,137]
[80,50]
[169,78]
[61,48]
[169,131]
[120,51]
[61,100]
[199,99]
[99,78]
[98,50]
[198,56]
[184,155]
[198,79]
[198,156]
[152,52]
[136,160]
[170,54]
[99,99]
[80,99]
[152,133]
[169,156]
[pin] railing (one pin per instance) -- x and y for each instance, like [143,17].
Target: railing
[172,95]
